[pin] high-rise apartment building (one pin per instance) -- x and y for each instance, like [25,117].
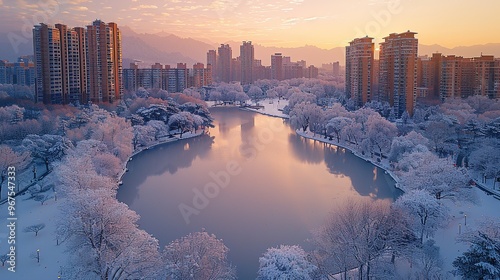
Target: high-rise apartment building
[70,64]
[212,63]
[277,66]
[103,62]
[48,69]
[485,83]
[77,64]
[247,61]
[359,70]
[20,73]
[224,63]
[235,69]
[82,62]
[398,71]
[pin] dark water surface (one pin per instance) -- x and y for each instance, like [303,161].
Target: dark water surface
[252,182]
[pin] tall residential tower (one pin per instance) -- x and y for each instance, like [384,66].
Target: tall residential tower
[359,70]
[398,71]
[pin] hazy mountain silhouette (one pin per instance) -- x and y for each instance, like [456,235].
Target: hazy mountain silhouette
[195,50]
[465,51]
[149,49]
[168,48]
[21,46]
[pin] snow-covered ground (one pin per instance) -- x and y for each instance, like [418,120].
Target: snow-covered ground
[486,207]
[446,238]
[53,256]
[271,107]
[30,212]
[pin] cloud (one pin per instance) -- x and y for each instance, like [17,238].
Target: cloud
[81,8]
[74,2]
[291,21]
[147,7]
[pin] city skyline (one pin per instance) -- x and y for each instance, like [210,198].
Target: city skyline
[290,23]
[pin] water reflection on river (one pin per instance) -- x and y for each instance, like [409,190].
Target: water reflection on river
[285,187]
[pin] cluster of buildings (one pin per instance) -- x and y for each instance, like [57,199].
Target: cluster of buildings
[246,69]
[77,64]
[164,77]
[400,76]
[20,73]
[85,65]
[220,67]
[442,76]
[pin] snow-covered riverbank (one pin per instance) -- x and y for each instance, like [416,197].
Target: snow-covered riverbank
[160,141]
[464,216]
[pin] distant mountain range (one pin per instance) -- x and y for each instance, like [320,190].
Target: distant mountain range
[170,49]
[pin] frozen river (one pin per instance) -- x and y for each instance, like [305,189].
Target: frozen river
[252,182]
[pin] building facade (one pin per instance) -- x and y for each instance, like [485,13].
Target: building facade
[48,69]
[277,66]
[212,63]
[77,64]
[247,62]
[224,60]
[398,71]
[359,70]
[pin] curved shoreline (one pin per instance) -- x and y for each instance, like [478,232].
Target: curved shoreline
[162,141]
[307,136]
[385,168]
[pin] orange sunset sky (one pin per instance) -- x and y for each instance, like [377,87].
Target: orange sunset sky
[284,23]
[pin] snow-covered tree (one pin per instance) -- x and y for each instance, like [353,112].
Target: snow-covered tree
[241,97]
[117,134]
[183,122]
[143,135]
[35,228]
[159,127]
[10,159]
[255,93]
[356,234]
[285,262]
[159,112]
[199,110]
[379,135]
[406,144]
[424,211]
[103,239]
[192,92]
[215,96]
[438,132]
[86,159]
[299,96]
[271,93]
[486,159]
[427,262]
[336,125]
[4,258]
[198,255]
[47,148]
[481,260]
[303,114]
[436,175]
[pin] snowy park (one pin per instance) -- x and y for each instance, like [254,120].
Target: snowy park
[61,168]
